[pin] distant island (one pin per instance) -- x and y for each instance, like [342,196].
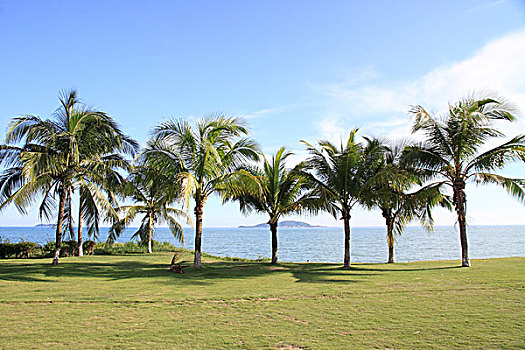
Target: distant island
[45,225]
[286,223]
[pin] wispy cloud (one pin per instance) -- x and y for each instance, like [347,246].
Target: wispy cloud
[266,112]
[485,5]
[262,112]
[381,108]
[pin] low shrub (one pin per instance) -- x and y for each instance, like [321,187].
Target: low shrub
[7,250]
[70,248]
[131,247]
[18,250]
[48,249]
[118,248]
[26,249]
[163,246]
[89,247]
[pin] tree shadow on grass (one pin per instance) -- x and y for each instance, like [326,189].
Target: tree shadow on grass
[130,269]
[395,269]
[326,273]
[211,272]
[111,271]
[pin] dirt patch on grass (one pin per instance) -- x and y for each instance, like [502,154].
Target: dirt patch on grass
[296,320]
[282,345]
[275,268]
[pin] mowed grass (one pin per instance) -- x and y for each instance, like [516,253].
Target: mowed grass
[135,302]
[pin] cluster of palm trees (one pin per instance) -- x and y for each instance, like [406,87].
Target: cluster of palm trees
[82,150]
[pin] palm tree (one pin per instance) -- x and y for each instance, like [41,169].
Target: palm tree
[342,176]
[452,152]
[270,189]
[200,159]
[152,193]
[398,204]
[97,198]
[47,157]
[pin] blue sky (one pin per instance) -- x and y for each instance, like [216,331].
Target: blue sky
[294,69]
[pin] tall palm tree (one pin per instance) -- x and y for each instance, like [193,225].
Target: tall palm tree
[152,194]
[342,176]
[270,189]
[46,158]
[453,152]
[97,198]
[398,201]
[200,158]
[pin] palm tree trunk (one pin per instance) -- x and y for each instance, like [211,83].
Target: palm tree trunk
[346,221]
[273,229]
[150,229]
[460,202]
[390,240]
[149,243]
[60,222]
[198,234]
[80,249]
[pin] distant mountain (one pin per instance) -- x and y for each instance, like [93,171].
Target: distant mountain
[45,225]
[286,223]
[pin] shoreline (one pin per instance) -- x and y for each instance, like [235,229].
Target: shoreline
[282,228]
[325,245]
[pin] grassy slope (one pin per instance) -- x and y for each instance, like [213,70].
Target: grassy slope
[135,302]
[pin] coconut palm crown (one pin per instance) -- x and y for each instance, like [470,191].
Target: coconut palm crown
[342,176]
[271,189]
[455,152]
[152,194]
[402,197]
[200,158]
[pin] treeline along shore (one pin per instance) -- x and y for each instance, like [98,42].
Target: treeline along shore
[79,158]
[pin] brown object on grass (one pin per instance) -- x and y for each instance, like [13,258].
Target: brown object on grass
[177,268]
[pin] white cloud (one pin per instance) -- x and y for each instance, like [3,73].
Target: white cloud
[272,112]
[497,67]
[331,129]
[262,112]
[486,6]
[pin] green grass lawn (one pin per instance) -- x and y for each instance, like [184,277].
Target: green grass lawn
[135,302]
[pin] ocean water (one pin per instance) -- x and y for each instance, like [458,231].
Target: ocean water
[325,244]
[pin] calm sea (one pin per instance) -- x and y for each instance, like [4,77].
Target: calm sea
[325,244]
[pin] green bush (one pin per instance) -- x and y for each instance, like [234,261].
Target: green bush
[26,249]
[117,248]
[18,250]
[102,248]
[6,250]
[70,248]
[163,246]
[132,248]
[89,247]
[48,249]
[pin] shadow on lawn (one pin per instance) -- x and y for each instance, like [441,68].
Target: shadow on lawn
[120,270]
[326,273]
[111,271]
[211,272]
[359,268]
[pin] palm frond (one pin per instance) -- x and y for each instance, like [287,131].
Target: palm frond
[499,156]
[515,187]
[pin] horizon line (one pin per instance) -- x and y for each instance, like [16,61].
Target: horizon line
[293,227]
